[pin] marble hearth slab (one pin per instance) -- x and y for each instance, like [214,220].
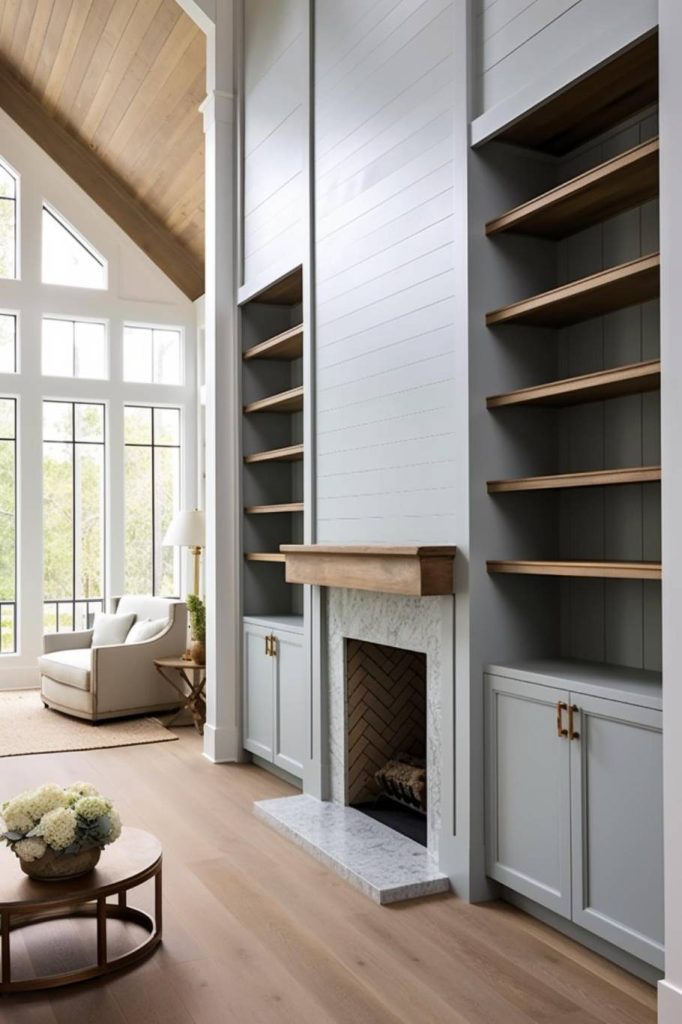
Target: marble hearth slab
[383,864]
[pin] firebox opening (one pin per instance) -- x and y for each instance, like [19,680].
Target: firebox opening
[386,735]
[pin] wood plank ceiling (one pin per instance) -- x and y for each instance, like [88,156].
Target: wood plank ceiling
[111,90]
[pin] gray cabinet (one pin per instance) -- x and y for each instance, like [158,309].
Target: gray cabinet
[574,808]
[528,843]
[274,695]
[617,825]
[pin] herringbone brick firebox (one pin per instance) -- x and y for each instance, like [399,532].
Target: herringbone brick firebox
[386,711]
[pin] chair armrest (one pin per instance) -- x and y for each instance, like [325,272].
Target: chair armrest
[66,641]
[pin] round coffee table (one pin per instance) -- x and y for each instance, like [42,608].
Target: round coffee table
[133,859]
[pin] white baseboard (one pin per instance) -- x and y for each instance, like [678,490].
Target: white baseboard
[19,678]
[669,1003]
[221,745]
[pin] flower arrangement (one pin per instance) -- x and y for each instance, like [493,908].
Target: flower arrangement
[197,617]
[54,822]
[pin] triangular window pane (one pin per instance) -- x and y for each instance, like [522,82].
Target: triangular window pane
[67,258]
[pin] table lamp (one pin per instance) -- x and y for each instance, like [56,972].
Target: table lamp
[188,530]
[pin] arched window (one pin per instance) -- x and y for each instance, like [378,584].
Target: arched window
[68,258]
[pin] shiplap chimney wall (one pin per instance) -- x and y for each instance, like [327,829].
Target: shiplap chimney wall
[384,236]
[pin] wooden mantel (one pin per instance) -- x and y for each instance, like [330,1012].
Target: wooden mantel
[411,570]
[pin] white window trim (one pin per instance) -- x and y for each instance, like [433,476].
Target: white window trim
[85,242]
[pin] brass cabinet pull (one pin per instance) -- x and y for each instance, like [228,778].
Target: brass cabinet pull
[273,646]
[572,733]
[267,645]
[560,708]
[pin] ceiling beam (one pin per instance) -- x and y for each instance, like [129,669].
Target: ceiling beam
[102,185]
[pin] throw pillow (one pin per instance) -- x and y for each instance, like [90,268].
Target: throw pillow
[146,629]
[109,630]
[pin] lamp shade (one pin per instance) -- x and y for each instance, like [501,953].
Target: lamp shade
[187,530]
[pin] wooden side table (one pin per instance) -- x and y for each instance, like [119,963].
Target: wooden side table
[177,672]
[127,863]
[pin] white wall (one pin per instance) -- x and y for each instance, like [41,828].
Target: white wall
[274,136]
[526,50]
[136,291]
[385,283]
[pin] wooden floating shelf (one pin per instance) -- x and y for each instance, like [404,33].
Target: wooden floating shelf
[285,401]
[617,185]
[598,478]
[260,510]
[415,571]
[287,345]
[616,288]
[264,556]
[291,454]
[585,570]
[636,378]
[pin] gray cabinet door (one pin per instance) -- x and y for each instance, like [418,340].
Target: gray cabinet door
[527,792]
[617,825]
[258,695]
[290,710]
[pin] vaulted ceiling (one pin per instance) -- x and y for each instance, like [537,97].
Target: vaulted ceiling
[111,90]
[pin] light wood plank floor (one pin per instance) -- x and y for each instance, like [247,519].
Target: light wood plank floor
[257,932]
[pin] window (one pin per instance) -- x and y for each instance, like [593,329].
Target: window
[8,222]
[152,355]
[8,525]
[73,513]
[152,497]
[67,258]
[8,343]
[74,348]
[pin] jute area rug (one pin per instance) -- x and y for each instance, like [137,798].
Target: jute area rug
[26,727]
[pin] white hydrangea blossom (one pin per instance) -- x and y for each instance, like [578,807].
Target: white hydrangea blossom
[59,828]
[17,816]
[115,829]
[30,849]
[78,789]
[92,807]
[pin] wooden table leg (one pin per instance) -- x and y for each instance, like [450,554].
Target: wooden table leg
[101,931]
[5,947]
[158,903]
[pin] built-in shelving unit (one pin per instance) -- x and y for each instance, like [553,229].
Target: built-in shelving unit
[605,292]
[636,378]
[565,507]
[576,522]
[619,184]
[273,340]
[593,478]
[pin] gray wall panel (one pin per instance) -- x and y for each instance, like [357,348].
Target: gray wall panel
[274,135]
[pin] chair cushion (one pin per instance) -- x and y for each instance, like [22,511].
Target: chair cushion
[69,667]
[146,629]
[109,630]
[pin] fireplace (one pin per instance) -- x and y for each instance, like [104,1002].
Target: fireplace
[386,735]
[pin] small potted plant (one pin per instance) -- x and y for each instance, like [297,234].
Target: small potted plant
[57,832]
[197,618]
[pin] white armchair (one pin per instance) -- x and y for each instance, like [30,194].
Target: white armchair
[96,683]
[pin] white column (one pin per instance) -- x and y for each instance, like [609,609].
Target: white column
[223,561]
[670,14]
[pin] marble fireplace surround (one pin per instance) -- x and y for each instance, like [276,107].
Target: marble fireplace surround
[413,623]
